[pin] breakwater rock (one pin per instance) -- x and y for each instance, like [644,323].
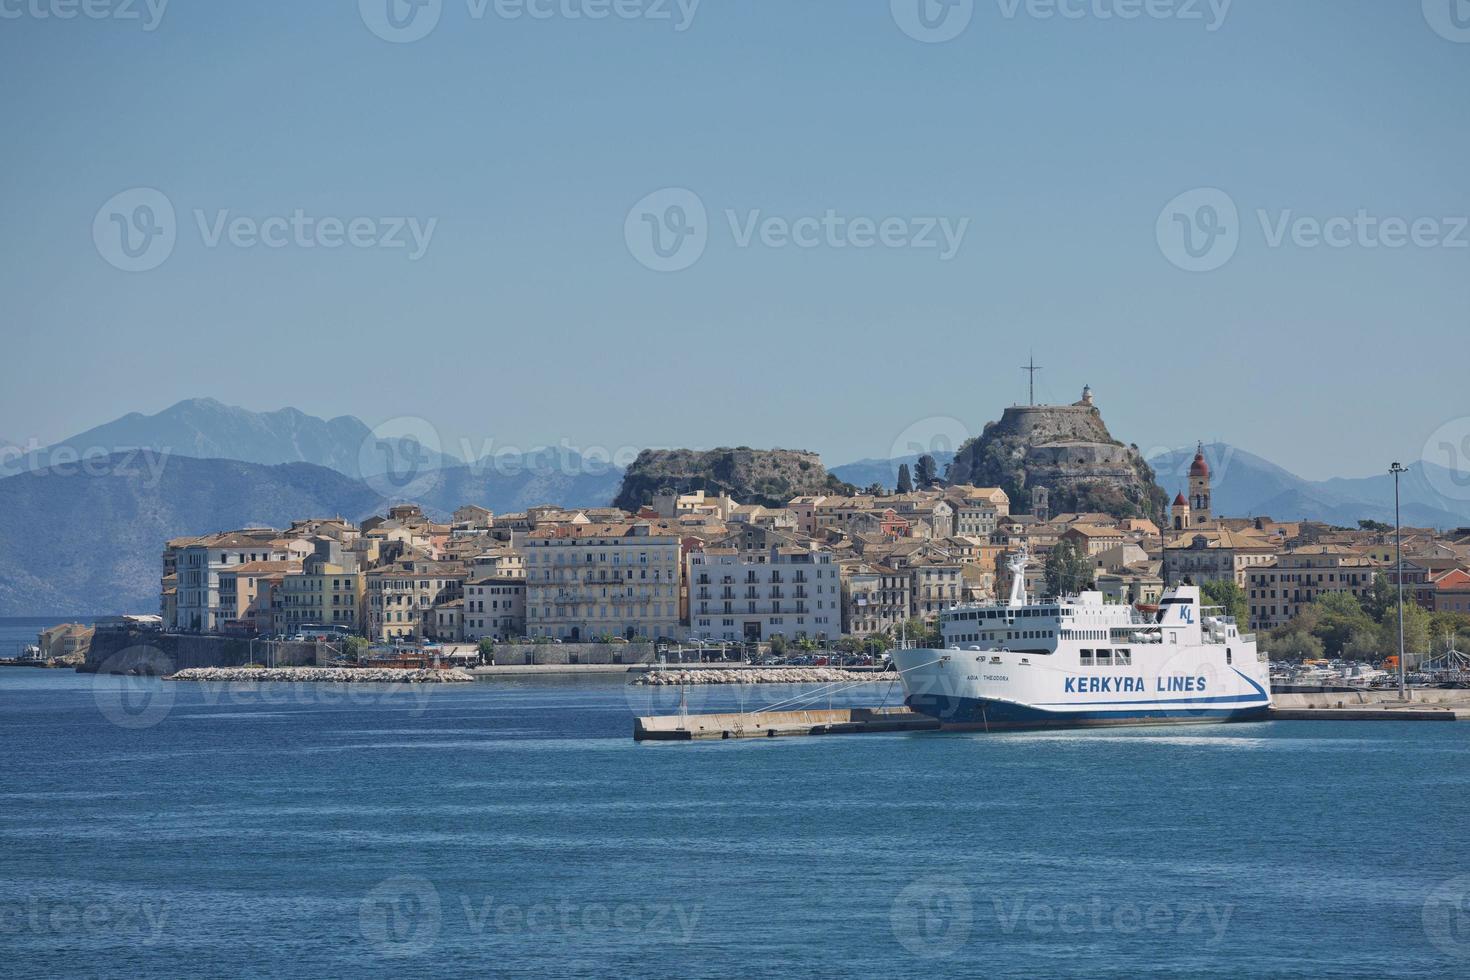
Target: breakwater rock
[775,675]
[322,675]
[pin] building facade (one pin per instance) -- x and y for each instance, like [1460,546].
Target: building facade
[585,581]
[794,593]
[1276,592]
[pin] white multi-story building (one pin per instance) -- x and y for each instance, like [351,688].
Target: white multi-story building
[199,563]
[586,581]
[791,592]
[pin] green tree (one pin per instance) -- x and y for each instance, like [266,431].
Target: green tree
[1416,628]
[1339,616]
[877,643]
[905,481]
[487,650]
[926,471]
[356,646]
[1292,644]
[1383,600]
[876,490]
[1067,571]
[778,645]
[1376,526]
[1229,596]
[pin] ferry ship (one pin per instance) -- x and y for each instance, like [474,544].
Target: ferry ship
[1079,661]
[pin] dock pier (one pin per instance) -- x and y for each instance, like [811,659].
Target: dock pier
[863,721]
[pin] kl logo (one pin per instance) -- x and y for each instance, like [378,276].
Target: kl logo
[932,21]
[668,230]
[1199,230]
[400,21]
[1450,19]
[135,230]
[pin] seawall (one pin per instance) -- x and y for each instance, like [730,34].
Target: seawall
[565,654]
[145,652]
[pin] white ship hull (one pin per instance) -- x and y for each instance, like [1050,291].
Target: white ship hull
[1080,662]
[966,688]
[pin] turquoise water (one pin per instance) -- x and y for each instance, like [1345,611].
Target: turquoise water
[516,829]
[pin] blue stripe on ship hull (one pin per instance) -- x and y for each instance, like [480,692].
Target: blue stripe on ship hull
[984,713]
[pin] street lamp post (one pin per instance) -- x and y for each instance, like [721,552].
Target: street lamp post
[1398,549]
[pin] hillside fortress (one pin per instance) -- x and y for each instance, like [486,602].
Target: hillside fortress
[1060,458]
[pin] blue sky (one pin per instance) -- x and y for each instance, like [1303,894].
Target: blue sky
[521,145]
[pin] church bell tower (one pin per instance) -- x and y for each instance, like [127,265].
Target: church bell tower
[1199,488]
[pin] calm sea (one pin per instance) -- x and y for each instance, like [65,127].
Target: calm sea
[517,830]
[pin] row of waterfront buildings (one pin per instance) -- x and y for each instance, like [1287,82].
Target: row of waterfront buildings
[708,567]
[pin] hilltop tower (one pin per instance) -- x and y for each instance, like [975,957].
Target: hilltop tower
[1199,487]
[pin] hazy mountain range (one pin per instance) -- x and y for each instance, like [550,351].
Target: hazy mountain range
[1243,484]
[85,537]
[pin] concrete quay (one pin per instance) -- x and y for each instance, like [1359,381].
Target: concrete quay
[775,724]
[859,721]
